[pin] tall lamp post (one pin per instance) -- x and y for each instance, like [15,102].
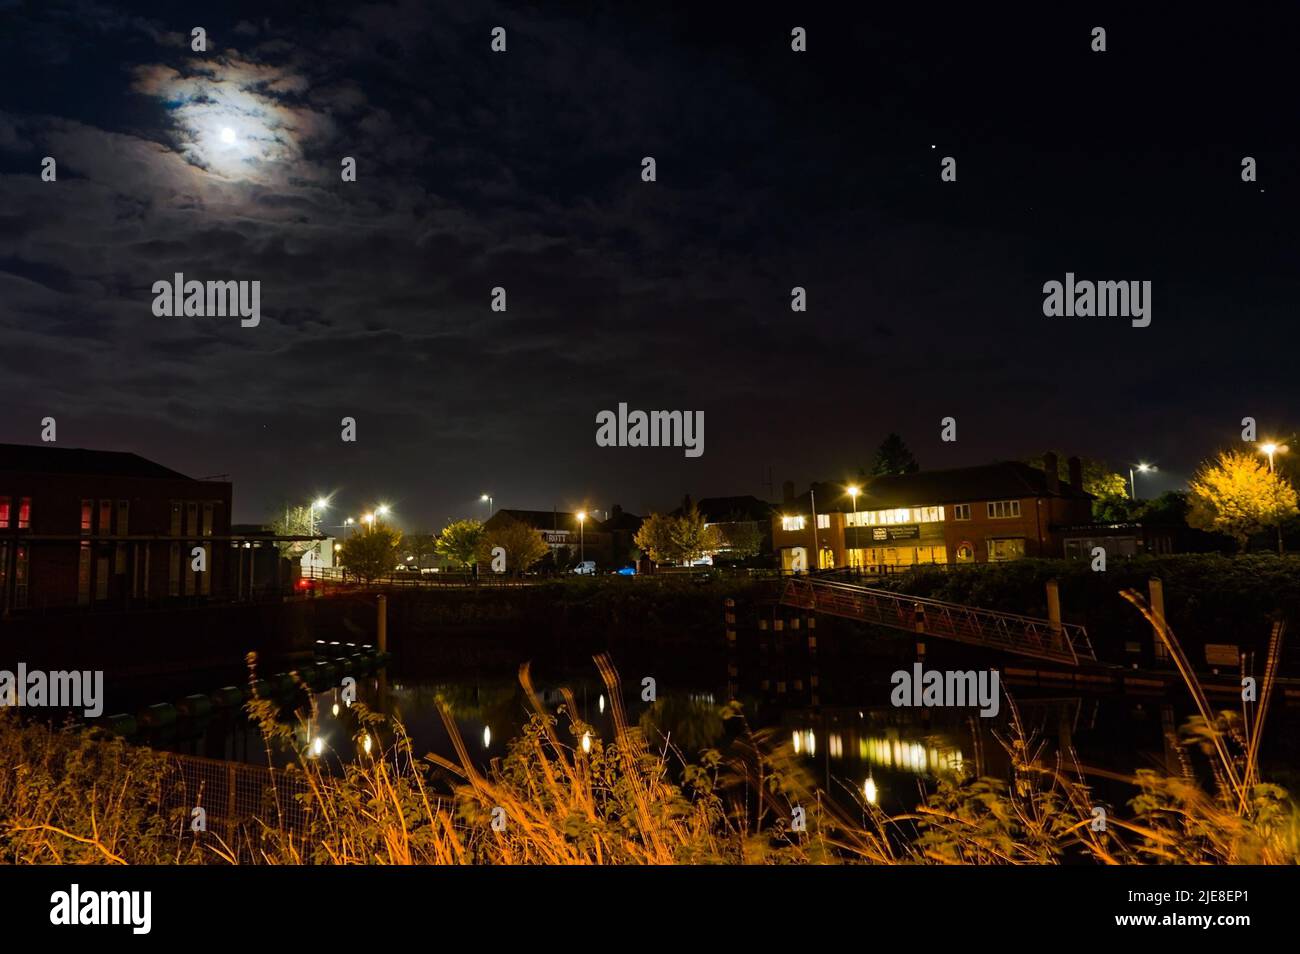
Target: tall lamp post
[582,550]
[487,499]
[320,503]
[853,491]
[1271,448]
[1142,469]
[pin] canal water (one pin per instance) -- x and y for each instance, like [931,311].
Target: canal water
[852,742]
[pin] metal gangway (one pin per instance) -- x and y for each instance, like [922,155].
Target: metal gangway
[1023,635]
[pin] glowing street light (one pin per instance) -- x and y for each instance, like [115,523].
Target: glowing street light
[582,550]
[869,790]
[382,510]
[1271,448]
[853,491]
[487,499]
[1142,469]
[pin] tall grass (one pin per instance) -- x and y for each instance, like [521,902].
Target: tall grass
[563,795]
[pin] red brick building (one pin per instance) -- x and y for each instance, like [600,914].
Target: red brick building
[991,513]
[85,528]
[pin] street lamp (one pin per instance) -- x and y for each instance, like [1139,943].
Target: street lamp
[854,490]
[1142,469]
[1271,448]
[582,550]
[487,498]
[382,510]
[320,503]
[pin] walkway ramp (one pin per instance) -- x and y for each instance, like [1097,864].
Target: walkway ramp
[1008,632]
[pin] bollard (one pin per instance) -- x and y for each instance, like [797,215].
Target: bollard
[1156,587]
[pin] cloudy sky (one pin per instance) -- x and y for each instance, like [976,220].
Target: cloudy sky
[523,170]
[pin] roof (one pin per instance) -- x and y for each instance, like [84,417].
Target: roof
[729,509]
[1005,480]
[43,459]
[541,519]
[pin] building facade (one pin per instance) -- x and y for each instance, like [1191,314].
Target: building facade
[85,528]
[988,514]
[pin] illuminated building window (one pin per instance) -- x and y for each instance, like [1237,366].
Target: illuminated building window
[24,513]
[1010,549]
[4,513]
[792,523]
[1002,509]
[961,512]
[823,521]
[87,514]
[105,517]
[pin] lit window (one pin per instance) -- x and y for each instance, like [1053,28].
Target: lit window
[1006,549]
[105,517]
[961,512]
[792,523]
[1003,509]
[87,512]
[823,521]
[24,513]
[4,513]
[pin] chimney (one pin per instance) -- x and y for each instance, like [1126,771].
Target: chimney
[1076,474]
[1053,474]
[787,492]
[616,511]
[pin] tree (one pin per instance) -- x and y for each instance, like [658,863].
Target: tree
[740,537]
[1237,495]
[296,522]
[460,541]
[371,553]
[893,457]
[690,537]
[656,538]
[422,546]
[524,546]
[1110,487]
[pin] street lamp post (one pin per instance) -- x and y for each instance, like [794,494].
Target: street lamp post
[857,521]
[1270,448]
[487,498]
[1142,469]
[582,548]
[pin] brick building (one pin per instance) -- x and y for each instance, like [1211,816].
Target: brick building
[991,513]
[91,528]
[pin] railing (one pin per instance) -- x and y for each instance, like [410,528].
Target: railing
[1023,635]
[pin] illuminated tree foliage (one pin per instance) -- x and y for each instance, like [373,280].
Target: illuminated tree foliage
[677,539]
[1237,495]
[524,546]
[371,553]
[460,541]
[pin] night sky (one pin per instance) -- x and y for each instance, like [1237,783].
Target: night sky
[523,170]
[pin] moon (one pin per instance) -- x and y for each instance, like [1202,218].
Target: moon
[227,135]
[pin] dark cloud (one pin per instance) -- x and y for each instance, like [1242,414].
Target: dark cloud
[522,171]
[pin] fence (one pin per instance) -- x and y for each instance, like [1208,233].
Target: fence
[235,797]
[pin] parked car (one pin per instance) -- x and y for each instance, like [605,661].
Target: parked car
[586,567]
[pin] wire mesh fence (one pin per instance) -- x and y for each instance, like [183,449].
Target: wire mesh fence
[237,800]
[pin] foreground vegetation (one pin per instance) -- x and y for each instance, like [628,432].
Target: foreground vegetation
[564,796]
